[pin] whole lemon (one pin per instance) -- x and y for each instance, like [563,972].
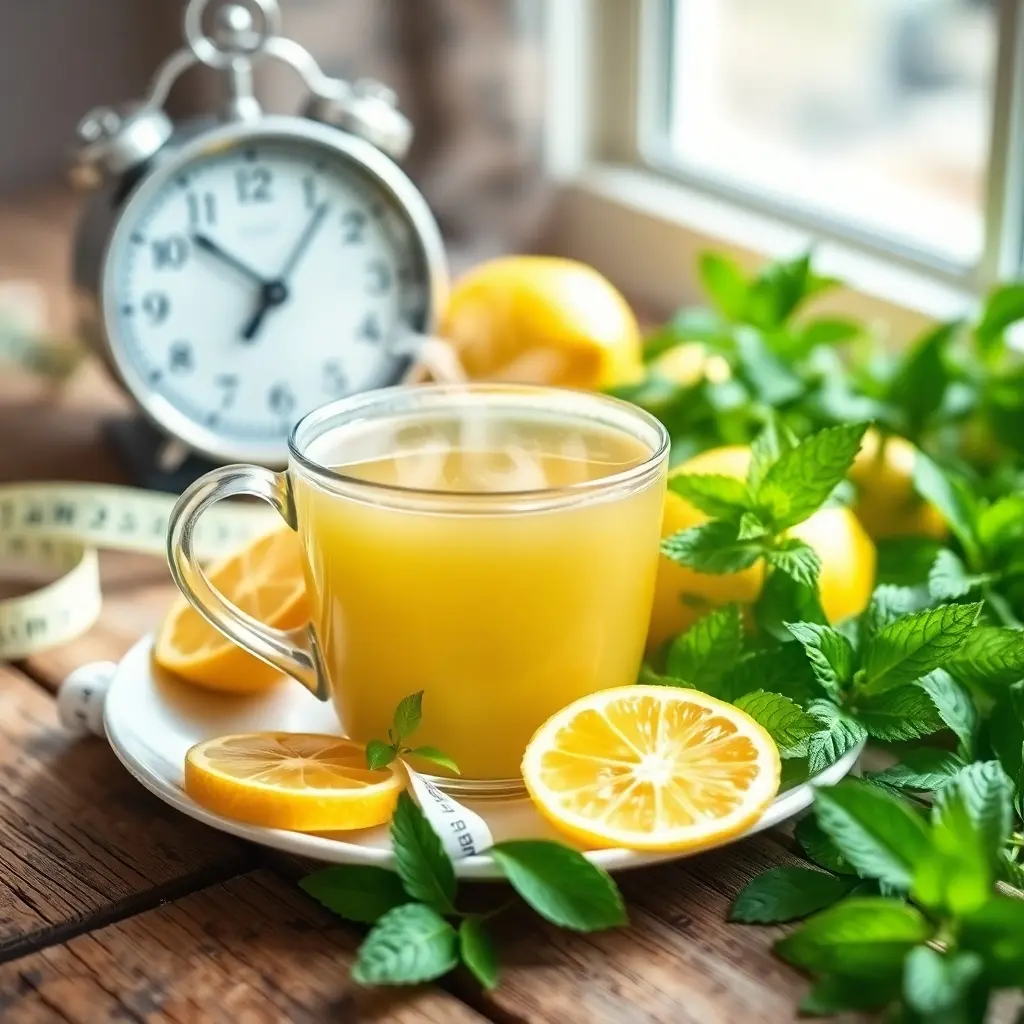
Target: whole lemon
[682,595]
[542,320]
[887,503]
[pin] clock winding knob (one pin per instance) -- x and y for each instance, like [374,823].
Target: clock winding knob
[367,108]
[115,141]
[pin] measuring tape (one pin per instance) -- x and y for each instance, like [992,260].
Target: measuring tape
[61,526]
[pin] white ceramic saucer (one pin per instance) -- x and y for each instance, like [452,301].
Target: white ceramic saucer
[152,719]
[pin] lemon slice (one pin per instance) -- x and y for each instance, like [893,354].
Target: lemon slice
[651,768]
[299,781]
[265,580]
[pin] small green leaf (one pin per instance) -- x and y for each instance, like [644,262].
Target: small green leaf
[923,769]
[780,669]
[953,498]
[936,983]
[713,547]
[408,945]
[838,735]
[954,705]
[407,716]
[828,331]
[724,283]
[356,892]
[478,952]
[420,860]
[784,600]
[787,893]
[859,937]
[829,654]
[987,793]
[718,496]
[1002,522]
[949,579]
[996,932]
[772,380]
[889,603]
[751,528]
[905,561]
[832,994]
[774,440]
[786,722]
[1006,729]
[797,560]
[435,756]
[561,884]
[877,833]
[992,657]
[379,754]
[920,383]
[817,847]
[709,649]
[903,713]
[802,479]
[912,646]
[1003,307]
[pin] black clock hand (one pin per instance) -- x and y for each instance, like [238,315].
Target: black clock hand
[209,245]
[303,243]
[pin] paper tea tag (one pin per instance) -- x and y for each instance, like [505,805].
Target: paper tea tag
[463,832]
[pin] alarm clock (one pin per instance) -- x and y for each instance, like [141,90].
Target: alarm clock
[237,270]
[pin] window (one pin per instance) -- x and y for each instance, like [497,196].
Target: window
[869,116]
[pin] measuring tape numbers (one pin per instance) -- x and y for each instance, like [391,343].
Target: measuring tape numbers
[60,526]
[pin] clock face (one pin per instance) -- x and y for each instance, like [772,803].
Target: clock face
[259,282]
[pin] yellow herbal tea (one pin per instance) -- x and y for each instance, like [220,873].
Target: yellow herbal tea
[489,567]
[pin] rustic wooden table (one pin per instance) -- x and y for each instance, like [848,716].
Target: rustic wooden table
[114,907]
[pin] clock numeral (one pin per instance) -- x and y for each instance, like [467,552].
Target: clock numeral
[181,360]
[379,279]
[228,383]
[201,209]
[353,224]
[169,253]
[281,400]
[369,329]
[156,306]
[335,381]
[253,184]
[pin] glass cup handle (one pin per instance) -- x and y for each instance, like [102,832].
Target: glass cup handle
[292,651]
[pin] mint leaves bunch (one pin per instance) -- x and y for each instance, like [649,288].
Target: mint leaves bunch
[418,933]
[906,916]
[787,482]
[405,722]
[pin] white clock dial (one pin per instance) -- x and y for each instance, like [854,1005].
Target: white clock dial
[262,281]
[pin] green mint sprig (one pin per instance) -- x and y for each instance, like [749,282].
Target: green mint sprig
[419,933]
[405,722]
[907,918]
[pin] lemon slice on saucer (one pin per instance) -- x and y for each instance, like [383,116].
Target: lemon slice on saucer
[651,768]
[299,781]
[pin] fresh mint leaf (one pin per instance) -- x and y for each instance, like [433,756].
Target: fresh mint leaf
[774,440]
[834,993]
[861,937]
[797,560]
[1003,307]
[724,283]
[435,756]
[751,528]
[903,713]
[772,380]
[889,603]
[818,847]
[786,722]
[788,893]
[782,668]
[408,945]
[1006,729]
[936,983]
[561,884]
[713,547]
[379,754]
[992,658]
[709,649]
[356,892]
[987,794]
[949,579]
[905,561]
[877,833]
[423,866]
[920,383]
[407,716]
[996,933]
[478,952]
[923,769]
[719,496]
[784,600]
[839,734]
[828,331]
[915,644]
[829,654]
[1002,522]
[953,498]
[954,705]
[803,478]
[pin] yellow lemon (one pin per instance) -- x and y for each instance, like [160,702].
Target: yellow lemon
[265,580]
[651,768]
[542,320]
[682,595]
[691,362]
[887,503]
[299,781]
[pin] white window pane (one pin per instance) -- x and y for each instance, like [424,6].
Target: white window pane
[872,112]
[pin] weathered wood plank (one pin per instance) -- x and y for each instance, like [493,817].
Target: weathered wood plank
[80,840]
[252,949]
